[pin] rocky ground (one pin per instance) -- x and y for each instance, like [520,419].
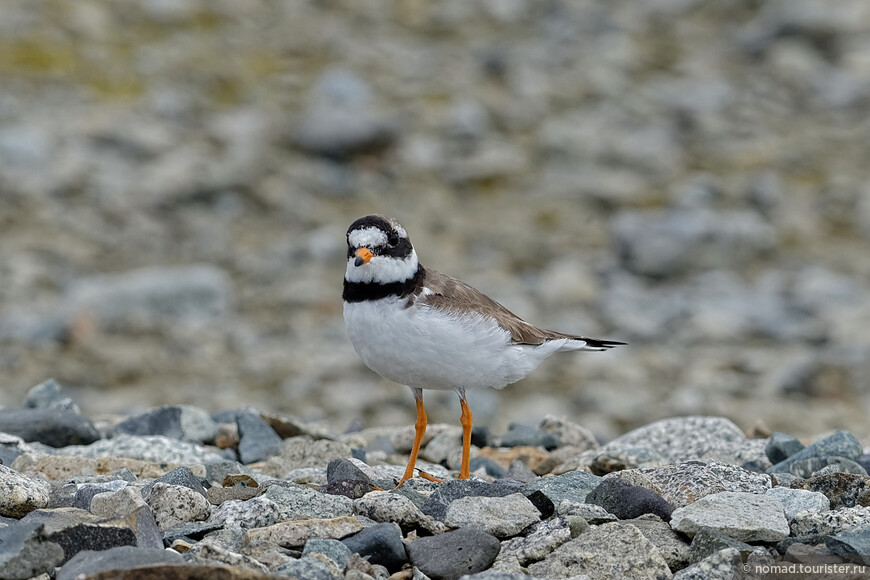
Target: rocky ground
[691,177]
[177,493]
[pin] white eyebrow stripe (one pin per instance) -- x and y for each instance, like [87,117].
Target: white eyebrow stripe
[368,237]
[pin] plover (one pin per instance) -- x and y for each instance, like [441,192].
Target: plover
[426,330]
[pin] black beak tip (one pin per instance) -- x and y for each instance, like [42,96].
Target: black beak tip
[358,262]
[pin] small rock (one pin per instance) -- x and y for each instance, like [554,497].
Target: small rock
[182,422]
[52,427]
[687,482]
[568,433]
[380,544]
[840,444]
[797,500]
[25,551]
[610,551]
[294,501]
[385,506]
[627,501]
[335,550]
[834,465]
[174,504]
[747,517]
[543,538]
[90,563]
[76,530]
[49,395]
[299,452]
[853,545]
[338,122]
[519,472]
[85,492]
[502,517]
[708,541]
[781,446]
[21,495]
[61,468]
[181,476]
[441,446]
[257,440]
[808,523]
[117,504]
[519,435]
[670,545]
[258,512]
[295,533]
[536,459]
[842,489]
[210,549]
[719,566]
[453,554]
[307,568]
[592,514]
[574,486]
[154,448]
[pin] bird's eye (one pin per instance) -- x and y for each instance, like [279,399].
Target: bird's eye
[393,239]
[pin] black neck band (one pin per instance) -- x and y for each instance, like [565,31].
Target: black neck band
[362,291]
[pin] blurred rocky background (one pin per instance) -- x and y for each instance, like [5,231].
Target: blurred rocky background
[693,177]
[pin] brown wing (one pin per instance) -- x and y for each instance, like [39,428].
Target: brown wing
[455,296]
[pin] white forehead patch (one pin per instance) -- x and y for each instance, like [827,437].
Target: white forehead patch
[368,237]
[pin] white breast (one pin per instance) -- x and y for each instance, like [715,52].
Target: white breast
[426,348]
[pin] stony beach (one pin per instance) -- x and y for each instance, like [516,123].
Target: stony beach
[177,493]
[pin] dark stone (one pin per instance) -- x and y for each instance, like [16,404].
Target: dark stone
[26,551]
[344,469]
[864,461]
[540,500]
[352,488]
[491,467]
[76,530]
[381,543]
[452,555]
[358,453]
[437,503]
[345,478]
[781,446]
[179,476]
[574,486]
[627,501]
[176,422]
[840,444]
[842,489]
[257,440]
[88,563]
[85,492]
[786,544]
[520,435]
[193,532]
[854,546]
[480,436]
[806,468]
[708,541]
[52,427]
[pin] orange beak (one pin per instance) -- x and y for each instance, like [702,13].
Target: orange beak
[363,255]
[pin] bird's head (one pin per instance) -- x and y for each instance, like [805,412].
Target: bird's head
[379,250]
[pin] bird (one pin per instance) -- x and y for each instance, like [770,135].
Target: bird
[426,330]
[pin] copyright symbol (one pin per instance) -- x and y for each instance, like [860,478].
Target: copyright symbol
[746,568]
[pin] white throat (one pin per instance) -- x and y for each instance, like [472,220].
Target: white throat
[382,269]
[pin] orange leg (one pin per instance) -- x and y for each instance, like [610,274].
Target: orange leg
[419,431]
[466,437]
